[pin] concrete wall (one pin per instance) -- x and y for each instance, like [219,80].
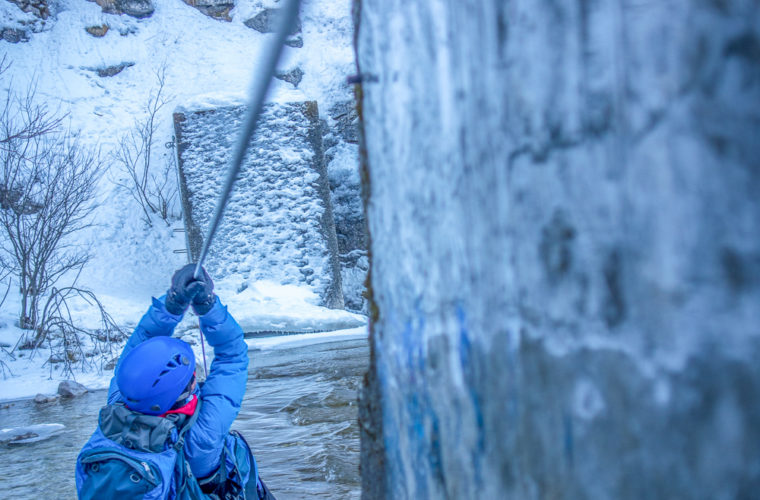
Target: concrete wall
[564,213]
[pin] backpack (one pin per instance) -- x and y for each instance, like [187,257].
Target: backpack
[135,456]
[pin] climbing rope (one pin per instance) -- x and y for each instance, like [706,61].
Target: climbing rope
[265,72]
[287,17]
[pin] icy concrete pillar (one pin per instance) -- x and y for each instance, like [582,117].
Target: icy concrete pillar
[564,214]
[278,224]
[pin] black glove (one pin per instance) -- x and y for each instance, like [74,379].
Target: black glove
[204,298]
[185,288]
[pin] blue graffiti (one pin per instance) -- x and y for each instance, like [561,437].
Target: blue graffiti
[569,443]
[472,379]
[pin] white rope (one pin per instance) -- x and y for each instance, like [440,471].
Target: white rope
[270,56]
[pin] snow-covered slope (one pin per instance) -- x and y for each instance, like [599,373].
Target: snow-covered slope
[203,59]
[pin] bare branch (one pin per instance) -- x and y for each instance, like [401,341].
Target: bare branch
[154,189]
[70,344]
[47,193]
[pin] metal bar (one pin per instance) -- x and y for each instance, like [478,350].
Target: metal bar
[270,56]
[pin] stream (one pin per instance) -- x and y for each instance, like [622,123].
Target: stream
[299,416]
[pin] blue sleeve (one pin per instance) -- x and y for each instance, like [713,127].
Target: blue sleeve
[223,392]
[157,321]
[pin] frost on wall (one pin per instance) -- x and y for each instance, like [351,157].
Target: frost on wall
[278,224]
[565,237]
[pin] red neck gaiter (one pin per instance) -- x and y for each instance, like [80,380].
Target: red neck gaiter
[187,409]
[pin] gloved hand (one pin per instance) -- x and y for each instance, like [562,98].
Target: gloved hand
[185,288]
[204,299]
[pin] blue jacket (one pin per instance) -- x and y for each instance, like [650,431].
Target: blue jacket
[223,391]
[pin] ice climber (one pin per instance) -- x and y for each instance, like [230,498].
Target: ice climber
[161,435]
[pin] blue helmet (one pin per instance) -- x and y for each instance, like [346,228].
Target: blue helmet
[153,375]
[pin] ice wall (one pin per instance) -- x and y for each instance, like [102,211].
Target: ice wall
[278,224]
[564,212]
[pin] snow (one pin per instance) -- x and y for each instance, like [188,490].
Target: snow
[266,305]
[12,17]
[288,341]
[207,63]
[31,379]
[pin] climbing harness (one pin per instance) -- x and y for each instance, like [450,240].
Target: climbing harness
[270,57]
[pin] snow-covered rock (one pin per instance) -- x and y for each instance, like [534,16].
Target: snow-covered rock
[19,20]
[346,120]
[135,8]
[218,9]
[98,31]
[71,389]
[266,22]
[293,76]
[108,71]
[45,398]
[39,8]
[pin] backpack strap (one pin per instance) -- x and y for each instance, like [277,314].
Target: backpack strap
[187,484]
[180,444]
[229,483]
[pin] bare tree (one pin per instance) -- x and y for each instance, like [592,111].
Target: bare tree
[70,344]
[5,272]
[153,187]
[47,184]
[22,119]
[4,368]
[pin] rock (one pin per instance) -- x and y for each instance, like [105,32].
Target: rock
[294,41]
[127,30]
[217,9]
[14,199]
[42,398]
[97,31]
[71,389]
[346,120]
[111,364]
[14,35]
[113,70]
[266,22]
[294,76]
[38,8]
[135,8]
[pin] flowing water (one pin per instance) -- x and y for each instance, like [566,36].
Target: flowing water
[299,416]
